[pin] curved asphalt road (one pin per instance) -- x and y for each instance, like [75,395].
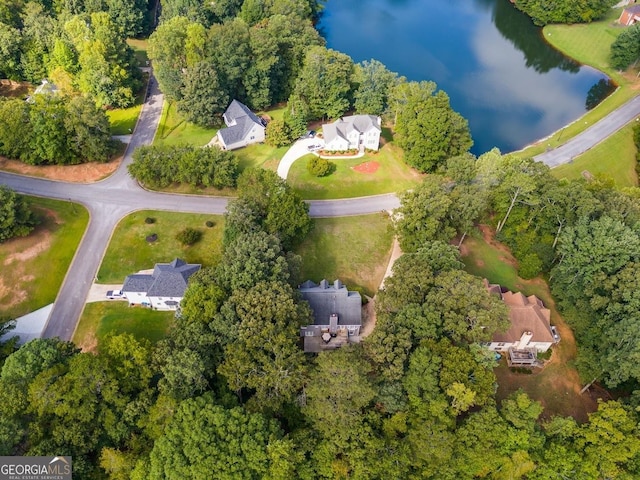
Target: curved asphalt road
[111,199]
[592,136]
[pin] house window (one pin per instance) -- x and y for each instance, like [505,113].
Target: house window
[308,333]
[159,298]
[501,344]
[252,137]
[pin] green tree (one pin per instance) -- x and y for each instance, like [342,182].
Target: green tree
[375,84]
[203,99]
[167,51]
[10,47]
[278,133]
[250,259]
[625,49]
[202,439]
[16,219]
[424,214]
[337,394]
[428,129]
[15,128]
[325,83]
[88,133]
[543,12]
[280,210]
[266,358]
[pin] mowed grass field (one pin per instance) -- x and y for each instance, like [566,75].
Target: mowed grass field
[557,386]
[589,44]
[24,287]
[355,250]
[102,318]
[175,130]
[615,158]
[392,175]
[129,251]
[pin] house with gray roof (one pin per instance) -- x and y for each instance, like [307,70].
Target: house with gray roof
[353,133]
[337,314]
[243,127]
[161,290]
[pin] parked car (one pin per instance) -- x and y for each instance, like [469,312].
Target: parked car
[554,332]
[113,294]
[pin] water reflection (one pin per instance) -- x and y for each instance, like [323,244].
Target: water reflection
[526,37]
[498,70]
[601,90]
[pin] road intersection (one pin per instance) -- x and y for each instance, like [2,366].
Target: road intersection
[111,199]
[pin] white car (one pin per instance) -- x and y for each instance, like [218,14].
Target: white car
[113,294]
[555,334]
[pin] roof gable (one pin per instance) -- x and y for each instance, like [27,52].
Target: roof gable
[526,314]
[167,279]
[328,298]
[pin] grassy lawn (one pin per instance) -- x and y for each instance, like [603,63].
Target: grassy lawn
[615,157]
[557,386]
[260,155]
[589,44]
[129,252]
[174,130]
[354,249]
[49,248]
[139,50]
[101,318]
[123,120]
[393,175]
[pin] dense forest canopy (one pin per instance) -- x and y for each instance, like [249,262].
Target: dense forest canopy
[415,399]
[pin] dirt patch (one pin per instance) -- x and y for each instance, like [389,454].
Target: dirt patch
[83,173]
[9,88]
[22,256]
[19,251]
[368,318]
[367,167]
[89,344]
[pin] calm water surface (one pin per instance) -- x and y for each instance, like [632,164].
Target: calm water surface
[492,61]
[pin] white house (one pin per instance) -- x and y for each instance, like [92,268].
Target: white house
[353,133]
[530,330]
[161,290]
[243,127]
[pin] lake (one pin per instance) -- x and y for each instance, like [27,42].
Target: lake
[494,64]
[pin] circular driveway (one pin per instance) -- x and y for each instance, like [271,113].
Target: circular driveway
[297,150]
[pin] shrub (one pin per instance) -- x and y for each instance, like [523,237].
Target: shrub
[189,236]
[149,220]
[209,223]
[530,266]
[152,238]
[320,167]
[363,295]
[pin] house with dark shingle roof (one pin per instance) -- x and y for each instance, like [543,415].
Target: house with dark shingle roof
[353,133]
[243,127]
[161,290]
[630,15]
[530,330]
[337,315]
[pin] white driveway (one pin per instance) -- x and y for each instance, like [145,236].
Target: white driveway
[297,150]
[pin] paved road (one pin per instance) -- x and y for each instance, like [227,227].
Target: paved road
[111,199]
[592,136]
